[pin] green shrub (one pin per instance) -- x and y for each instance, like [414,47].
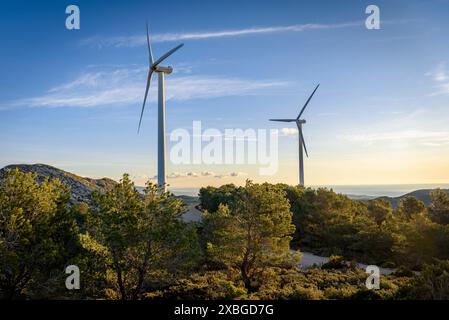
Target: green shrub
[211,285]
[335,262]
[432,283]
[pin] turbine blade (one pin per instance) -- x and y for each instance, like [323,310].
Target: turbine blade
[307,102]
[150,76]
[283,120]
[165,56]
[150,51]
[303,142]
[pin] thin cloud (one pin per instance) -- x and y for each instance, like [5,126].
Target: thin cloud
[327,114]
[230,174]
[439,73]
[429,138]
[237,174]
[126,86]
[140,40]
[192,174]
[441,89]
[175,175]
[143,177]
[440,78]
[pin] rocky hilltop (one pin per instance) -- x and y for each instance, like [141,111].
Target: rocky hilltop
[81,187]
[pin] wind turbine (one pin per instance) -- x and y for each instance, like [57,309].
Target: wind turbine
[299,123]
[154,66]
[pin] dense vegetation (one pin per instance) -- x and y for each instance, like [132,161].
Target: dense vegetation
[367,231]
[132,245]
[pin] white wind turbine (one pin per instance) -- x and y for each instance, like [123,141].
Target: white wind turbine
[299,123]
[154,66]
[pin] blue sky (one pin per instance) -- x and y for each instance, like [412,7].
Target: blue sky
[72,98]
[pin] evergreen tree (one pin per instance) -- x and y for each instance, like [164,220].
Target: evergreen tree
[38,235]
[252,234]
[439,209]
[133,234]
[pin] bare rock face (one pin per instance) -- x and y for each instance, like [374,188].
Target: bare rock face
[81,188]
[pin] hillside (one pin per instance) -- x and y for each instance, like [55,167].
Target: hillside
[81,187]
[423,195]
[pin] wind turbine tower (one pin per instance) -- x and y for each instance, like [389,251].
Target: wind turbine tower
[154,66]
[302,144]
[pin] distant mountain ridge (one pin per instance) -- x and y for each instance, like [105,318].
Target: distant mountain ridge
[422,194]
[81,187]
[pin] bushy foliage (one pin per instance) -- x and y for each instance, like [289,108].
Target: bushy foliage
[38,235]
[318,284]
[211,197]
[410,207]
[129,235]
[329,223]
[335,262]
[420,241]
[281,283]
[210,285]
[131,245]
[432,283]
[439,209]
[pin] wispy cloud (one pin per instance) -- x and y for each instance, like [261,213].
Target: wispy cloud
[174,175]
[430,138]
[139,40]
[126,86]
[439,73]
[440,77]
[327,114]
[192,174]
[230,174]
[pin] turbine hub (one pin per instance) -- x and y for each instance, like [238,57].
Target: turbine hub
[301,121]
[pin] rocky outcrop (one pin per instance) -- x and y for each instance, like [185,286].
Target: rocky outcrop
[81,187]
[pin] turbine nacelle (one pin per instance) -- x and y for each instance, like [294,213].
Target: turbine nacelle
[166,70]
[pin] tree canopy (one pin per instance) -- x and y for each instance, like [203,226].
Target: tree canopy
[129,244]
